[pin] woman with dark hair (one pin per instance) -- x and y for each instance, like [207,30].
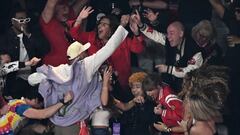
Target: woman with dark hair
[98,39]
[169,108]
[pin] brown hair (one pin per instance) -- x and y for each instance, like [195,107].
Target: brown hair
[151,82]
[205,92]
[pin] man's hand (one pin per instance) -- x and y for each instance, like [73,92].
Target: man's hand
[68,96]
[137,18]
[133,26]
[5,58]
[33,62]
[150,15]
[124,20]
[161,68]
[232,40]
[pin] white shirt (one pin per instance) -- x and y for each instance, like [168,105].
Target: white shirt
[23,57]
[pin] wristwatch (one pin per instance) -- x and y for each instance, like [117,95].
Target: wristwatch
[62,101]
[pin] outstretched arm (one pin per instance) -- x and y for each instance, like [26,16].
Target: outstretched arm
[218,7]
[48,10]
[93,62]
[156,4]
[49,111]
[127,106]
[78,5]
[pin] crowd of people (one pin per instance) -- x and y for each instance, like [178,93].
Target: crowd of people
[136,67]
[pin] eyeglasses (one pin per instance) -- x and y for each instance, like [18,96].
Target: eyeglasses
[25,20]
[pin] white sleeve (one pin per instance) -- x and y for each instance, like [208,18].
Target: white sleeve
[196,62]
[154,35]
[93,62]
[11,67]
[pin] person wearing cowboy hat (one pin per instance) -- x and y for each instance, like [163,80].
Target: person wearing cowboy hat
[81,76]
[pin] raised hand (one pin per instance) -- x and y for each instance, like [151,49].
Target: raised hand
[107,75]
[68,96]
[137,18]
[124,20]
[86,11]
[33,62]
[150,15]
[133,25]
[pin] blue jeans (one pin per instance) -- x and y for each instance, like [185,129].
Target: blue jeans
[100,131]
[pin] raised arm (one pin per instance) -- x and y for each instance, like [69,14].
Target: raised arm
[93,62]
[86,11]
[78,5]
[105,88]
[148,31]
[218,7]
[48,11]
[49,111]
[156,4]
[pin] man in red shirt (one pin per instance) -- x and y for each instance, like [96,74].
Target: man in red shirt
[53,24]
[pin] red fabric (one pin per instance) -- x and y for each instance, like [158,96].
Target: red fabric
[150,29]
[83,129]
[54,32]
[174,108]
[120,59]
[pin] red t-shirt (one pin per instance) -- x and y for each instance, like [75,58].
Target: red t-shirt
[54,32]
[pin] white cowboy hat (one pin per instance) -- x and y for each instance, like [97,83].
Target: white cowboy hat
[75,49]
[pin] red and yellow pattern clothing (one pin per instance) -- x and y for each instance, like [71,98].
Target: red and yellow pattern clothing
[10,121]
